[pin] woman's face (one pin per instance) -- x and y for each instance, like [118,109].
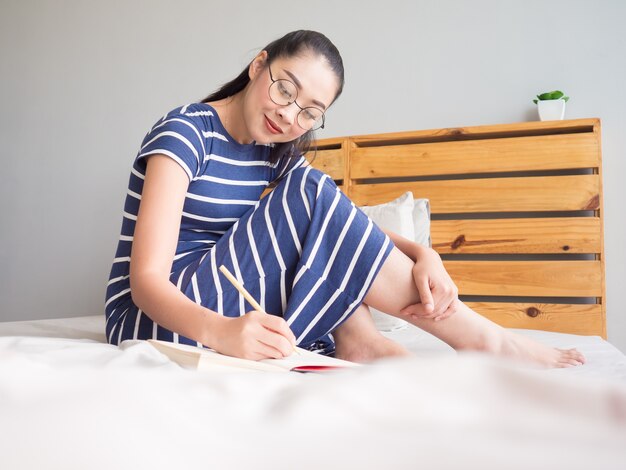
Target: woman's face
[268,122]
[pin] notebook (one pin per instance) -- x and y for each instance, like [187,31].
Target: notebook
[192,357]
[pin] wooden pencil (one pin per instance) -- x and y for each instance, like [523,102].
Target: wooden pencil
[241,289]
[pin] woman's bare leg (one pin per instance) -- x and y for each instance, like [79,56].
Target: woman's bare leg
[394,289]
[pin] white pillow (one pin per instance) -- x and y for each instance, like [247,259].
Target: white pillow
[421,220]
[396,215]
[409,218]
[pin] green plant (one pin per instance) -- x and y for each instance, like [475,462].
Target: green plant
[552,95]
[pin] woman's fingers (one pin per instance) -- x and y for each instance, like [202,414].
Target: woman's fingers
[445,294]
[449,312]
[426,295]
[257,335]
[277,335]
[415,310]
[418,311]
[276,345]
[435,300]
[279,325]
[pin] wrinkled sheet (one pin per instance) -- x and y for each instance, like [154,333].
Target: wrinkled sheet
[79,403]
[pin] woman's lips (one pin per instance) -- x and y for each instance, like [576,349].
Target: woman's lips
[273,128]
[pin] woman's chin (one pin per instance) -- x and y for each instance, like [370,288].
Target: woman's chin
[264,138]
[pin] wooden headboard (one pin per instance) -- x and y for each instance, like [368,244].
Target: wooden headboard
[516,212]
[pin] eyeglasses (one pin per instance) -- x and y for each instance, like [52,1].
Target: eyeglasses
[284,92]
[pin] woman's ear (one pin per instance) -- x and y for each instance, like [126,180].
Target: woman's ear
[257,65]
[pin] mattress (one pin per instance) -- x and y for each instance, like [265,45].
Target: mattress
[70,401]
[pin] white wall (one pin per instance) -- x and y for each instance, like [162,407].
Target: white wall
[82,81]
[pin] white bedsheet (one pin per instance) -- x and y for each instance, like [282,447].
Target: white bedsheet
[604,360]
[82,404]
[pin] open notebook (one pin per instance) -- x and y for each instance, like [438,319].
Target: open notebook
[207,359]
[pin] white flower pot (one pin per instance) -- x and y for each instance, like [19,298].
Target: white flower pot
[551,110]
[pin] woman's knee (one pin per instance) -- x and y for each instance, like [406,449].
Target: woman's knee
[306,174]
[307,183]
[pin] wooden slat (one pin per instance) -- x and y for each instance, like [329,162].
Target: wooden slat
[527,278]
[554,152]
[347,146]
[544,193]
[330,162]
[331,142]
[600,213]
[532,235]
[489,131]
[574,319]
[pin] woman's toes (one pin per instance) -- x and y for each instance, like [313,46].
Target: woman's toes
[577,355]
[570,358]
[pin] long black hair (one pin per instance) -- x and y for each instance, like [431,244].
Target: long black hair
[290,45]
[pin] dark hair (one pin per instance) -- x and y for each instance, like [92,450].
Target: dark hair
[290,45]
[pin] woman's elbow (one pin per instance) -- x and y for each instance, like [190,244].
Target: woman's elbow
[141,284]
[136,289]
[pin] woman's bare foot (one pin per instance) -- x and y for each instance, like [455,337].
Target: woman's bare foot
[375,347]
[520,347]
[467,330]
[358,340]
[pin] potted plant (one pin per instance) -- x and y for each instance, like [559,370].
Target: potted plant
[551,105]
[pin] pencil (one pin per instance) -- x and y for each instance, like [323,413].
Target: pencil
[245,293]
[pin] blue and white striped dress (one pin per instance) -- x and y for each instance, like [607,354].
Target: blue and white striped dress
[305,252]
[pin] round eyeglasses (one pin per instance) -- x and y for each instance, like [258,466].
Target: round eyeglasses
[284,92]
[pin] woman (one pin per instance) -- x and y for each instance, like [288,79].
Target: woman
[305,252]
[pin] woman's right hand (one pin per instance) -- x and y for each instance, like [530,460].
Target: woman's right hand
[255,335]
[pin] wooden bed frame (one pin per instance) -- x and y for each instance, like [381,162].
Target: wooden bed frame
[516,212]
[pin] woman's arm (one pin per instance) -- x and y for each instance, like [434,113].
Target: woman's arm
[406,246]
[154,245]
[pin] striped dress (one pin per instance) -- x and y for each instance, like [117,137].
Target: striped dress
[304,252]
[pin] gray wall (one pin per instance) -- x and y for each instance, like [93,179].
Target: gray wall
[82,81]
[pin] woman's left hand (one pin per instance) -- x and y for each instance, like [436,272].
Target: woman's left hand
[438,293]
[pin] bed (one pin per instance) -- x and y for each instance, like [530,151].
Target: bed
[516,213]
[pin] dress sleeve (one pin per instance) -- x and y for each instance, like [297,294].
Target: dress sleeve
[179,138]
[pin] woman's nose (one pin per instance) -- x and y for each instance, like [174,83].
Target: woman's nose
[288,112]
